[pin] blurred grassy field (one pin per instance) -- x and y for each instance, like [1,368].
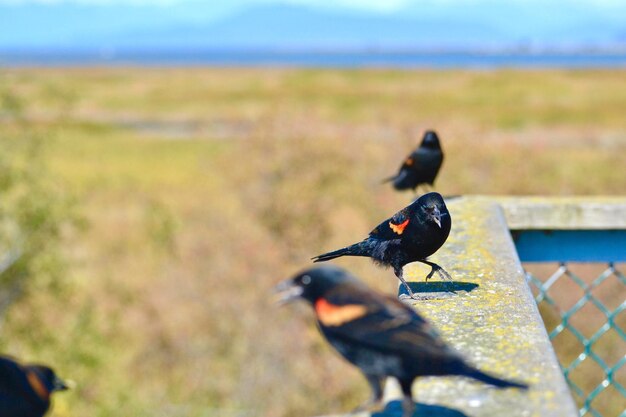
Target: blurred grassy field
[203,187]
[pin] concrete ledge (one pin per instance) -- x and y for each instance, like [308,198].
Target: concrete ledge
[563,213]
[492,319]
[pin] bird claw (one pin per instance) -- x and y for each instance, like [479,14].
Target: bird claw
[442,273]
[408,408]
[409,293]
[407,297]
[430,274]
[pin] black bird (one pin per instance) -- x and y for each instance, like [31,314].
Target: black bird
[379,334]
[25,390]
[411,235]
[422,166]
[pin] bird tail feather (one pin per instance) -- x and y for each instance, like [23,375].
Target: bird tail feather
[358,249]
[389,179]
[493,380]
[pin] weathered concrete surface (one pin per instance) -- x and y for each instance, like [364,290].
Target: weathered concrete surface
[494,323]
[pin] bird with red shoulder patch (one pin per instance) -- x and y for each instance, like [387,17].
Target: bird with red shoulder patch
[411,235]
[379,334]
[25,390]
[421,167]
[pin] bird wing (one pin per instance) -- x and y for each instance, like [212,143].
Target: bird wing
[426,160]
[415,160]
[392,228]
[10,374]
[363,318]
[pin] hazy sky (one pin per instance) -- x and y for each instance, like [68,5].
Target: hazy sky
[381,6]
[549,22]
[218,8]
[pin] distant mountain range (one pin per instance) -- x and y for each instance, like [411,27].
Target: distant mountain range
[436,26]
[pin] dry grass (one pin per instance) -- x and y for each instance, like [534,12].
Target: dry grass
[204,187]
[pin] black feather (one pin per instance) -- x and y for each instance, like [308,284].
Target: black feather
[490,379]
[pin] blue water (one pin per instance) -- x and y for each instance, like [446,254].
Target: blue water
[315,59]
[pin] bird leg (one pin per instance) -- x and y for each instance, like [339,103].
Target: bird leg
[399,272]
[443,274]
[376,384]
[408,406]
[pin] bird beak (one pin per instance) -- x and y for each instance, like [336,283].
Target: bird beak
[287,292]
[61,385]
[437,217]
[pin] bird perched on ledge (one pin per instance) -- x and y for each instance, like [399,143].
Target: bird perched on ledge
[379,334]
[422,166]
[25,390]
[411,235]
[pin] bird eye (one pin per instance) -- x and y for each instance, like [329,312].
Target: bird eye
[306,280]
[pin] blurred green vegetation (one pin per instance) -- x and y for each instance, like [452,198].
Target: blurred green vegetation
[204,187]
[35,211]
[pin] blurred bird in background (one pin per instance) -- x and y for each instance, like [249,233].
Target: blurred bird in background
[411,235]
[25,390]
[379,334]
[421,167]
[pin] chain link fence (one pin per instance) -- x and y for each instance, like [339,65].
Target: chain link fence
[583,305]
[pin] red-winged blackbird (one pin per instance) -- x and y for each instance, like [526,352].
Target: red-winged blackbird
[422,166]
[411,235]
[25,389]
[379,334]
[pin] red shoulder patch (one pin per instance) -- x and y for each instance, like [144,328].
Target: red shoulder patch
[399,228]
[37,385]
[334,315]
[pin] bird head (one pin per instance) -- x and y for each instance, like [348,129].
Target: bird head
[312,284]
[434,209]
[430,140]
[49,378]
